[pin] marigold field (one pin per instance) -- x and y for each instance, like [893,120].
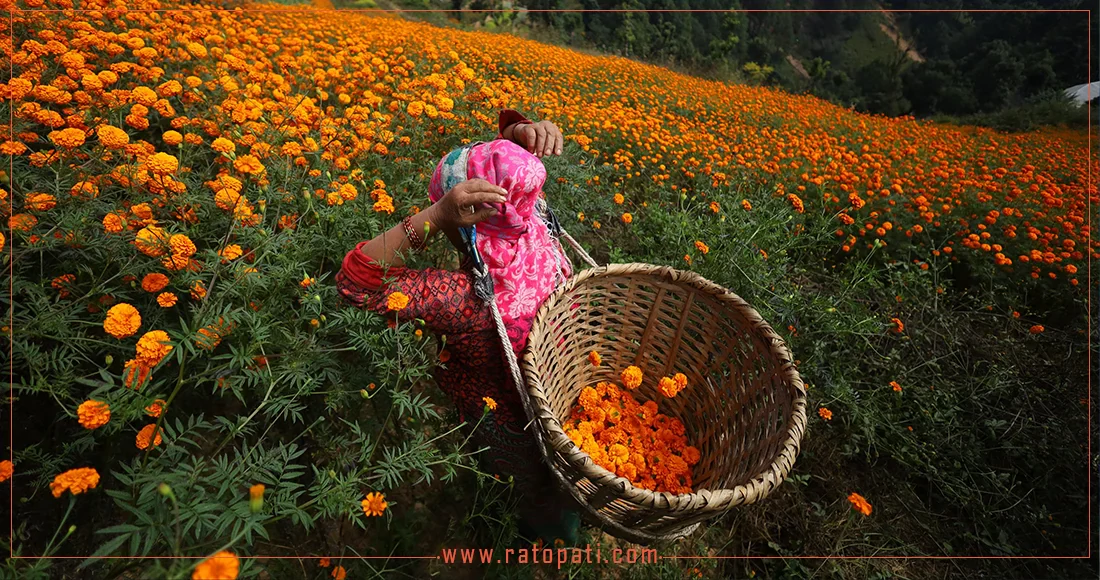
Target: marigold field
[185,180]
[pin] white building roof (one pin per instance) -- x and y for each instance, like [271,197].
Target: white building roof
[1084,93]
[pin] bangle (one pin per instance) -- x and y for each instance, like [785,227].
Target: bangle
[414,238]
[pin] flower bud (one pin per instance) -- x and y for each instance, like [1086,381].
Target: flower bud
[363,393]
[256,497]
[108,359]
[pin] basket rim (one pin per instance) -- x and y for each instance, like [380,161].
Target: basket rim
[756,487]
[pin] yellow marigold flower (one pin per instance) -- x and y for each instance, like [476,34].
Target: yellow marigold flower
[594,358]
[182,245]
[224,565]
[490,403]
[12,148]
[701,247]
[860,504]
[22,222]
[374,504]
[619,199]
[627,218]
[154,282]
[223,145]
[631,377]
[68,138]
[93,414]
[112,137]
[7,468]
[41,202]
[156,409]
[167,299]
[229,199]
[172,138]
[152,347]
[619,453]
[145,437]
[143,211]
[144,96]
[397,301]
[197,50]
[162,164]
[76,481]
[248,164]
[123,320]
[152,241]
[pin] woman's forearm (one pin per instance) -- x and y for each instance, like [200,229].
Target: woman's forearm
[386,248]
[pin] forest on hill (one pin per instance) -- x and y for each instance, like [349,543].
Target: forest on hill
[1005,69]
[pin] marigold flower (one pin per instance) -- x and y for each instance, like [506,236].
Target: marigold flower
[221,566]
[172,138]
[135,374]
[40,202]
[154,282]
[256,497]
[338,573]
[324,563]
[619,199]
[230,252]
[123,320]
[152,241]
[490,403]
[156,409]
[825,413]
[145,437]
[167,299]
[397,301]
[223,145]
[182,246]
[667,387]
[76,481]
[22,222]
[594,358]
[374,504]
[896,386]
[198,290]
[162,164]
[1037,329]
[627,218]
[631,377]
[152,347]
[68,138]
[7,468]
[248,164]
[701,247]
[384,204]
[860,504]
[93,414]
[899,327]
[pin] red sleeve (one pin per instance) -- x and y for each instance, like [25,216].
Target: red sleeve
[443,299]
[507,118]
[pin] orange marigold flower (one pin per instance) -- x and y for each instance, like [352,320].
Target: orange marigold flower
[135,374]
[156,409]
[152,241]
[172,138]
[113,137]
[384,204]
[223,145]
[618,453]
[667,387]
[154,282]
[162,164]
[490,403]
[374,504]
[896,386]
[631,377]
[182,246]
[1037,329]
[745,205]
[825,413]
[619,199]
[714,207]
[224,565]
[22,222]
[860,504]
[152,347]
[123,320]
[40,202]
[397,301]
[338,573]
[76,481]
[7,468]
[230,252]
[307,282]
[198,290]
[627,218]
[167,299]
[93,414]
[701,247]
[113,223]
[68,138]
[248,164]
[594,358]
[145,437]
[899,327]
[324,563]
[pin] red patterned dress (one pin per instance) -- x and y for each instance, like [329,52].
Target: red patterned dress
[474,367]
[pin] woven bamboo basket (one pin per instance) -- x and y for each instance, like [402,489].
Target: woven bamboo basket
[744,408]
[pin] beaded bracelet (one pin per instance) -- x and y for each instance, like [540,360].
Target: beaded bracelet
[414,238]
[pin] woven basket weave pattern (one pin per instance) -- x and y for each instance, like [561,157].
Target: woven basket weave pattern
[744,408]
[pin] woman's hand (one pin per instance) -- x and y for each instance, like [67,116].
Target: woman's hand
[464,205]
[540,139]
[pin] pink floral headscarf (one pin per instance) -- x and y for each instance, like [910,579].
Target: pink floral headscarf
[526,263]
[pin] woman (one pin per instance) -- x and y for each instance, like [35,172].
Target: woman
[503,181]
